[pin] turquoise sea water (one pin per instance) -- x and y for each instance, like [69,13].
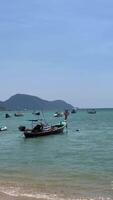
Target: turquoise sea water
[73,165]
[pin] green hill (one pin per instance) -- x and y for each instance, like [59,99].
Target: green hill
[23,101]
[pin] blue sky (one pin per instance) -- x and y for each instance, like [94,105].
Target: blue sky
[57,49]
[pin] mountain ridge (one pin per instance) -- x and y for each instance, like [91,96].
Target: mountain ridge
[30,102]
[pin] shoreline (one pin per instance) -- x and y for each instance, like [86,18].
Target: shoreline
[4,196]
[16,191]
[11,190]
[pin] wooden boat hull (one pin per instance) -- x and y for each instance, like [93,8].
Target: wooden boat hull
[52,131]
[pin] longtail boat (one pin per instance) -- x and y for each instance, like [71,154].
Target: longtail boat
[42,130]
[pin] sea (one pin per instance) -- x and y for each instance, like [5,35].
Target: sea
[75,165]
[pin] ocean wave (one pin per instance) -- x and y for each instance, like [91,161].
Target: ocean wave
[16,192]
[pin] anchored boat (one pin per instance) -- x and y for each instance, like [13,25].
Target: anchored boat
[42,129]
[3,128]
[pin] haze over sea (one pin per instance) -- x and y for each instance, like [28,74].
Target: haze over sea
[73,165]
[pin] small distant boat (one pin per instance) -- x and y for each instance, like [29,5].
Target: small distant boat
[18,114]
[74,111]
[3,128]
[91,111]
[7,115]
[42,130]
[36,113]
[58,114]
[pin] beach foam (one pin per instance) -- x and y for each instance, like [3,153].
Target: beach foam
[16,192]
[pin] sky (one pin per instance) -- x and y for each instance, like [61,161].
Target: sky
[57,49]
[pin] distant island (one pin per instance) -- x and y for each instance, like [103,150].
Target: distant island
[29,102]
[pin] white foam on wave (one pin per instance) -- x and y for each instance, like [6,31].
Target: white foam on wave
[16,192]
[11,191]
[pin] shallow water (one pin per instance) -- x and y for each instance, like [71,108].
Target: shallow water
[73,165]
